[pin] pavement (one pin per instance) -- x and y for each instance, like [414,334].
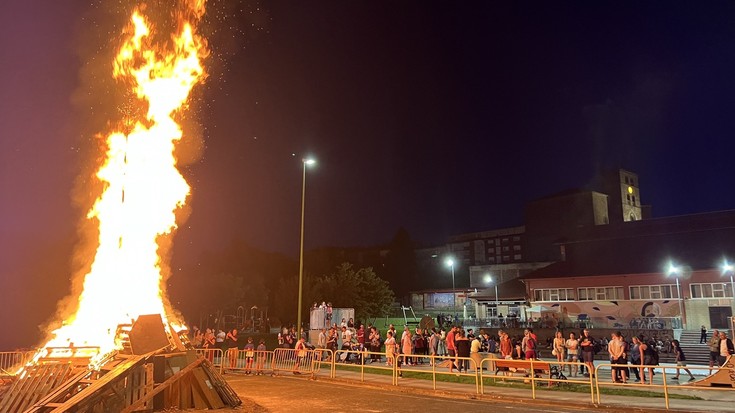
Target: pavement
[375,393]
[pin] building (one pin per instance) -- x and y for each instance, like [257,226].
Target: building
[620,275]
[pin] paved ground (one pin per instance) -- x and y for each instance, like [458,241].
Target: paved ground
[375,393]
[283,393]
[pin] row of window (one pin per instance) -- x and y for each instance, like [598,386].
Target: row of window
[637,292]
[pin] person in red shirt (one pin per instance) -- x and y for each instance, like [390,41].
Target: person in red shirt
[451,348]
[361,335]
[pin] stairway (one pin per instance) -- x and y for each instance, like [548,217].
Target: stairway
[695,353]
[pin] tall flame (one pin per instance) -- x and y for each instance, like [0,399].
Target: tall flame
[142,186]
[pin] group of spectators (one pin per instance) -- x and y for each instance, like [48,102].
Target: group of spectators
[231,344]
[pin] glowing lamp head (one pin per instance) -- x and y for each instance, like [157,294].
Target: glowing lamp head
[487,279]
[449,262]
[673,270]
[727,268]
[309,161]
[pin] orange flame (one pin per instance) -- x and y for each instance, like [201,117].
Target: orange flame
[142,187]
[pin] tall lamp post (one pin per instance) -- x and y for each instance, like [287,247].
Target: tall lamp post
[305,162]
[676,272]
[450,263]
[729,269]
[488,280]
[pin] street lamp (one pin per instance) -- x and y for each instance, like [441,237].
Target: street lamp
[306,162]
[450,263]
[676,272]
[729,269]
[488,280]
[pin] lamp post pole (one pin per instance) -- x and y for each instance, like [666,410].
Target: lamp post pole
[676,272]
[728,268]
[305,162]
[450,263]
[681,307]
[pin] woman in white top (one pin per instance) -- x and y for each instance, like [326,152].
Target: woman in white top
[390,348]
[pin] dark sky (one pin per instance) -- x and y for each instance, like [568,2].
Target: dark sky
[441,117]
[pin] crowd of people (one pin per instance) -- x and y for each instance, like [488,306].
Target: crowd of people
[459,346]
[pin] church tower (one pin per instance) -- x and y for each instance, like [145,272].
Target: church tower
[624,194]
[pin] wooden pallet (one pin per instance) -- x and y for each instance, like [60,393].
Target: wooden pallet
[33,384]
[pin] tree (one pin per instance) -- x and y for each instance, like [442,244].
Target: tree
[361,289]
[401,269]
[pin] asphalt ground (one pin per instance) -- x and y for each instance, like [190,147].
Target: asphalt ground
[287,393]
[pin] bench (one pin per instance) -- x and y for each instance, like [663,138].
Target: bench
[523,367]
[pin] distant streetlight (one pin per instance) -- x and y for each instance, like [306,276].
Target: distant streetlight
[489,279]
[729,269]
[305,162]
[676,272]
[450,263]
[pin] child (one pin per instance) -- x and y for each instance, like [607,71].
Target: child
[260,357]
[249,355]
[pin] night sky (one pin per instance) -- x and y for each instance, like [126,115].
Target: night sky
[440,117]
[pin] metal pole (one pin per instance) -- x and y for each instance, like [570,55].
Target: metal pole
[301,249]
[497,300]
[681,307]
[454,293]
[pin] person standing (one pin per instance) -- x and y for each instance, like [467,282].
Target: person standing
[616,348]
[572,346]
[588,352]
[433,345]
[726,348]
[648,358]
[390,348]
[462,348]
[300,351]
[680,360]
[232,350]
[475,349]
[703,335]
[558,347]
[635,359]
[506,346]
[451,349]
[249,355]
[714,348]
[529,345]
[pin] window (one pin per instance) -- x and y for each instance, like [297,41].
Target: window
[516,238]
[506,258]
[600,293]
[554,294]
[653,292]
[491,242]
[506,249]
[517,257]
[505,240]
[516,248]
[713,290]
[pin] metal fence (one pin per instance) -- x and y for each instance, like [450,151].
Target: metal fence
[12,361]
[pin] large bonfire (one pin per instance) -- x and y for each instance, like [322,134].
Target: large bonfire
[142,187]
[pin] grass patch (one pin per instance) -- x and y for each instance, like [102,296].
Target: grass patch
[517,383]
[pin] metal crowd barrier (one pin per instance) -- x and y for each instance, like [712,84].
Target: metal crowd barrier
[214,355]
[12,361]
[358,358]
[664,385]
[504,369]
[296,361]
